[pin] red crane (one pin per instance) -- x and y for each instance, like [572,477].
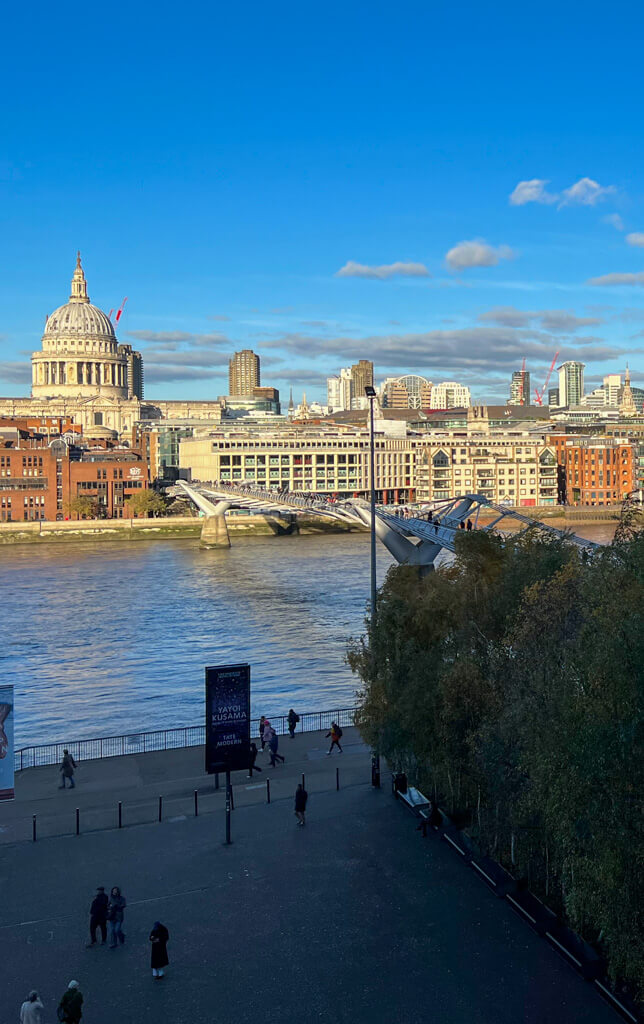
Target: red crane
[539,394]
[120,311]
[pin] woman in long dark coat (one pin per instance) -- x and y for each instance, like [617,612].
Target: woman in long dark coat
[159,954]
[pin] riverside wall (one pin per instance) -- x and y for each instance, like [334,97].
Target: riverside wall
[171,528]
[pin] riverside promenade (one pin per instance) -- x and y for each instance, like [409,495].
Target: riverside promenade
[353,918]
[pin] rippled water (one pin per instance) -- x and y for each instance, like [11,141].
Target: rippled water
[103,638]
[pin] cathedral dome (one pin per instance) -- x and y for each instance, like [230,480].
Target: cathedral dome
[78,316]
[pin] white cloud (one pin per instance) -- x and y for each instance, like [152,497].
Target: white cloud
[476,253]
[615,220]
[558,321]
[586,192]
[384,271]
[610,279]
[636,238]
[532,191]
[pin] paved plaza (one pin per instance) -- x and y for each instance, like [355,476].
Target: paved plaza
[353,918]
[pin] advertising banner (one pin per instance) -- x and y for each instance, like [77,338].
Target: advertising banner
[227,717]
[6,743]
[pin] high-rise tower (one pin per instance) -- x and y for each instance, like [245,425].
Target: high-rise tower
[243,373]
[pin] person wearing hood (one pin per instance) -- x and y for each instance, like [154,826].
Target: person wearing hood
[115,914]
[31,1009]
[159,954]
[70,1007]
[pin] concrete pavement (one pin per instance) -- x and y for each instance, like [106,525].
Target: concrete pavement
[138,780]
[354,918]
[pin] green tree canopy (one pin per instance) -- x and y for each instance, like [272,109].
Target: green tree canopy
[510,684]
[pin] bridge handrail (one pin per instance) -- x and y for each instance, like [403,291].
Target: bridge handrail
[164,739]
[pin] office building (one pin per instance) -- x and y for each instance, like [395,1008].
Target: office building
[408,392]
[338,391]
[450,395]
[361,378]
[41,481]
[571,383]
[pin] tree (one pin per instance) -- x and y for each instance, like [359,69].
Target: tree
[145,503]
[82,506]
[510,684]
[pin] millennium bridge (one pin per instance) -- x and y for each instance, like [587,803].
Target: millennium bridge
[416,539]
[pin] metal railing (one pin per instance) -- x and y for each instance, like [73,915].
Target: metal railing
[165,739]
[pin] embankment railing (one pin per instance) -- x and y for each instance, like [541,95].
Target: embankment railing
[164,739]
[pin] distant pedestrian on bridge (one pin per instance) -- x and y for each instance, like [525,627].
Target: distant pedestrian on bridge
[336,735]
[293,719]
[262,723]
[251,760]
[31,1009]
[301,796]
[70,1007]
[66,769]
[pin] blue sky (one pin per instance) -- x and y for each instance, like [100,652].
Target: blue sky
[221,164]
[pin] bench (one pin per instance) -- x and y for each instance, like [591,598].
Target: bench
[419,806]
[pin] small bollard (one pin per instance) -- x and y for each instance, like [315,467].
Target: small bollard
[33,829]
[196,803]
[337,778]
[120,814]
[268,792]
[77,821]
[160,808]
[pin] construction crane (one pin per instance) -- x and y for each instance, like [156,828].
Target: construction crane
[120,311]
[538,395]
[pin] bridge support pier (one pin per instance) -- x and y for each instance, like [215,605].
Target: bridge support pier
[214,532]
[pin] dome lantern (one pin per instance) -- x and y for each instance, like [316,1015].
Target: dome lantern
[79,284]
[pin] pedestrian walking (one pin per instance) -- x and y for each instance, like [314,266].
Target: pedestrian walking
[336,736]
[98,917]
[293,719]
[262,723]
[469,524]
[266,732]
[115,915]
[66,769]
[31,1009]
[301,796]
[159,954]
[273,744]
[70,1007]
[252,757]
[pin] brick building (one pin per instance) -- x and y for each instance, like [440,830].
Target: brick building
[596,470]
[40,481]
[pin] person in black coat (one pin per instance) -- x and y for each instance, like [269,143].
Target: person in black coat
[159,954]
[301,796]
[98,916]
[252,757]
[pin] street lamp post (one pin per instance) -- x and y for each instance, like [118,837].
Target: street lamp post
[370,392]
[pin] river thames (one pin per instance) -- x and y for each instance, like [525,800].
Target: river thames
[105,638]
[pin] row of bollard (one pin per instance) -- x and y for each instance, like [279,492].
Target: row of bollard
[196,804]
